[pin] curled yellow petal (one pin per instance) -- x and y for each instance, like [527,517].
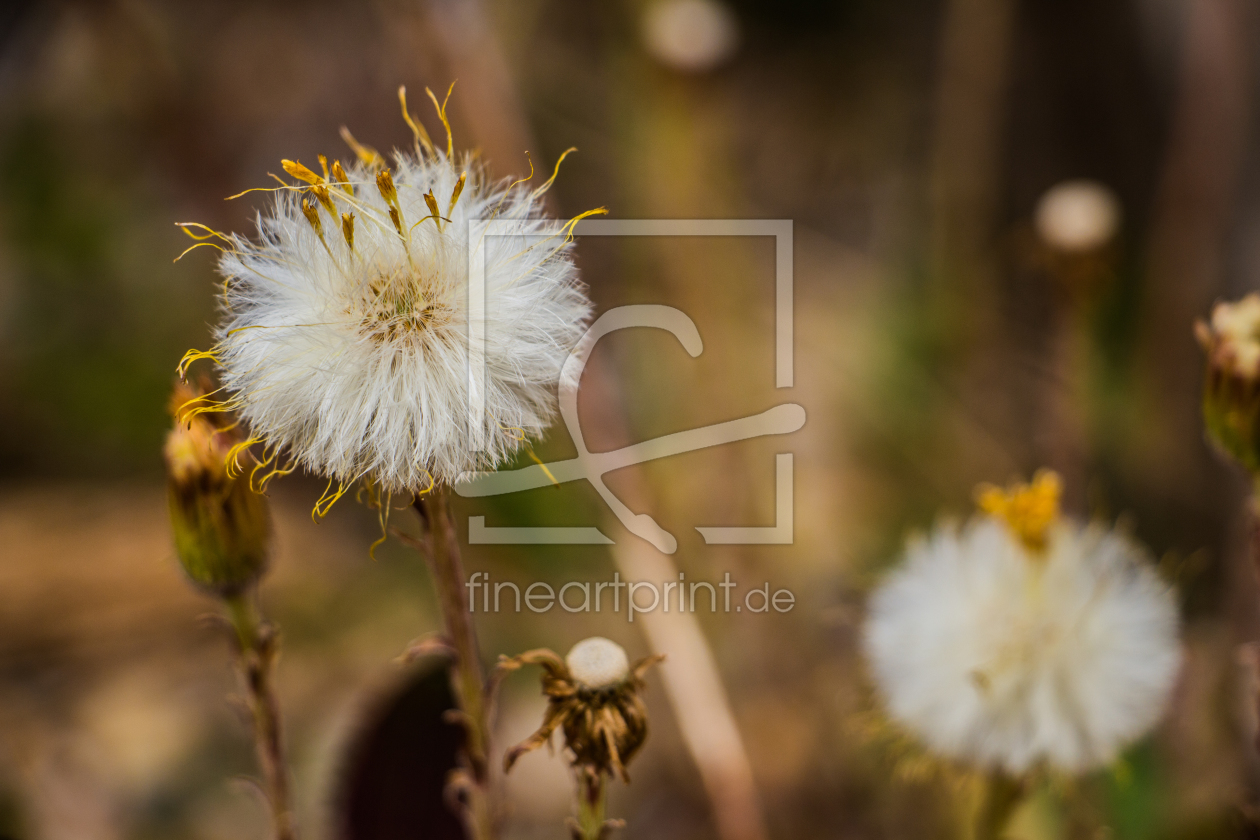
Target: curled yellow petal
[422,136]
[367,155]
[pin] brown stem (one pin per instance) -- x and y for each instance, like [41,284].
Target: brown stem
[258,648]
[467,675]
[1253,533]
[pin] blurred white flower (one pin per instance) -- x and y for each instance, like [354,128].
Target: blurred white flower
[1003,646]
[1079,215]
[691,36]
[344,344]
[1232,337]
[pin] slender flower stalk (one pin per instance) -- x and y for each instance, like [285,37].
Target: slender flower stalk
[441,548]
[257,650]
[592,799]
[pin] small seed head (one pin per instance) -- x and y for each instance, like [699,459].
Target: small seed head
[598,663]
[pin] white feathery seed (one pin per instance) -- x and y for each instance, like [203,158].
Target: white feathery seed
[598,663]
[1001,656]
[355,360]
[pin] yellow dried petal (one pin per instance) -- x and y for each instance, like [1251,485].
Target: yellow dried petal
[312,216]
[385,183]
[431,200]
[321,192]
[347,229]
[1027,509]
[457,192]
[339,175]
[300,172]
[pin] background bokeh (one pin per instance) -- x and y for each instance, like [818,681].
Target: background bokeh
[941,340]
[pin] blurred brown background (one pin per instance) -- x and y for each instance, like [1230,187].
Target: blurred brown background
[942,339]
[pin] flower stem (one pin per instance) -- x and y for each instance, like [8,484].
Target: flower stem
[257,652]
[468,677]
[1253,533]
[1000,800]
[592,794]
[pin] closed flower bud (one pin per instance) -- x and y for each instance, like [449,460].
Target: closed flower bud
[222,529]
[1231,390]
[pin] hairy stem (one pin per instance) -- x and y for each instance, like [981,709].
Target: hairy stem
[257,654]
[467,675]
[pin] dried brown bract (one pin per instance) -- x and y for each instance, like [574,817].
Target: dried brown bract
[594,698]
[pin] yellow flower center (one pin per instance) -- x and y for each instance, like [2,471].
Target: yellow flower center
[1027,509]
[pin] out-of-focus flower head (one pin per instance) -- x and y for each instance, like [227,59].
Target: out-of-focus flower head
[593,697]
[1077,216]
[1231,390]
[222,528]
[690,36]
[345,343]
[1024,638]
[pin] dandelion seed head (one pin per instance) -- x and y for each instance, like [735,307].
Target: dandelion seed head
[598,663]
[1078,215]
[690,36]
[1002,655]
[345,336]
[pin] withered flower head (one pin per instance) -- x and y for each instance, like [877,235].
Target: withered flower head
[593,697]
[1231,389]
[221,527]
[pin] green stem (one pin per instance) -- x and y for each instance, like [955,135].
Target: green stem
[468,676]
[1000,800]
[592,794]
[257,658]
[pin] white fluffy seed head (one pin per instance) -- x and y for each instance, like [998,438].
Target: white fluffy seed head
[690,36]
[354,358]
[1077,216]
[1002,657]
[598,663]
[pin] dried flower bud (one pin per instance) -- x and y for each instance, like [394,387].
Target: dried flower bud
[593,696]
[1231,389]
[221,527]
